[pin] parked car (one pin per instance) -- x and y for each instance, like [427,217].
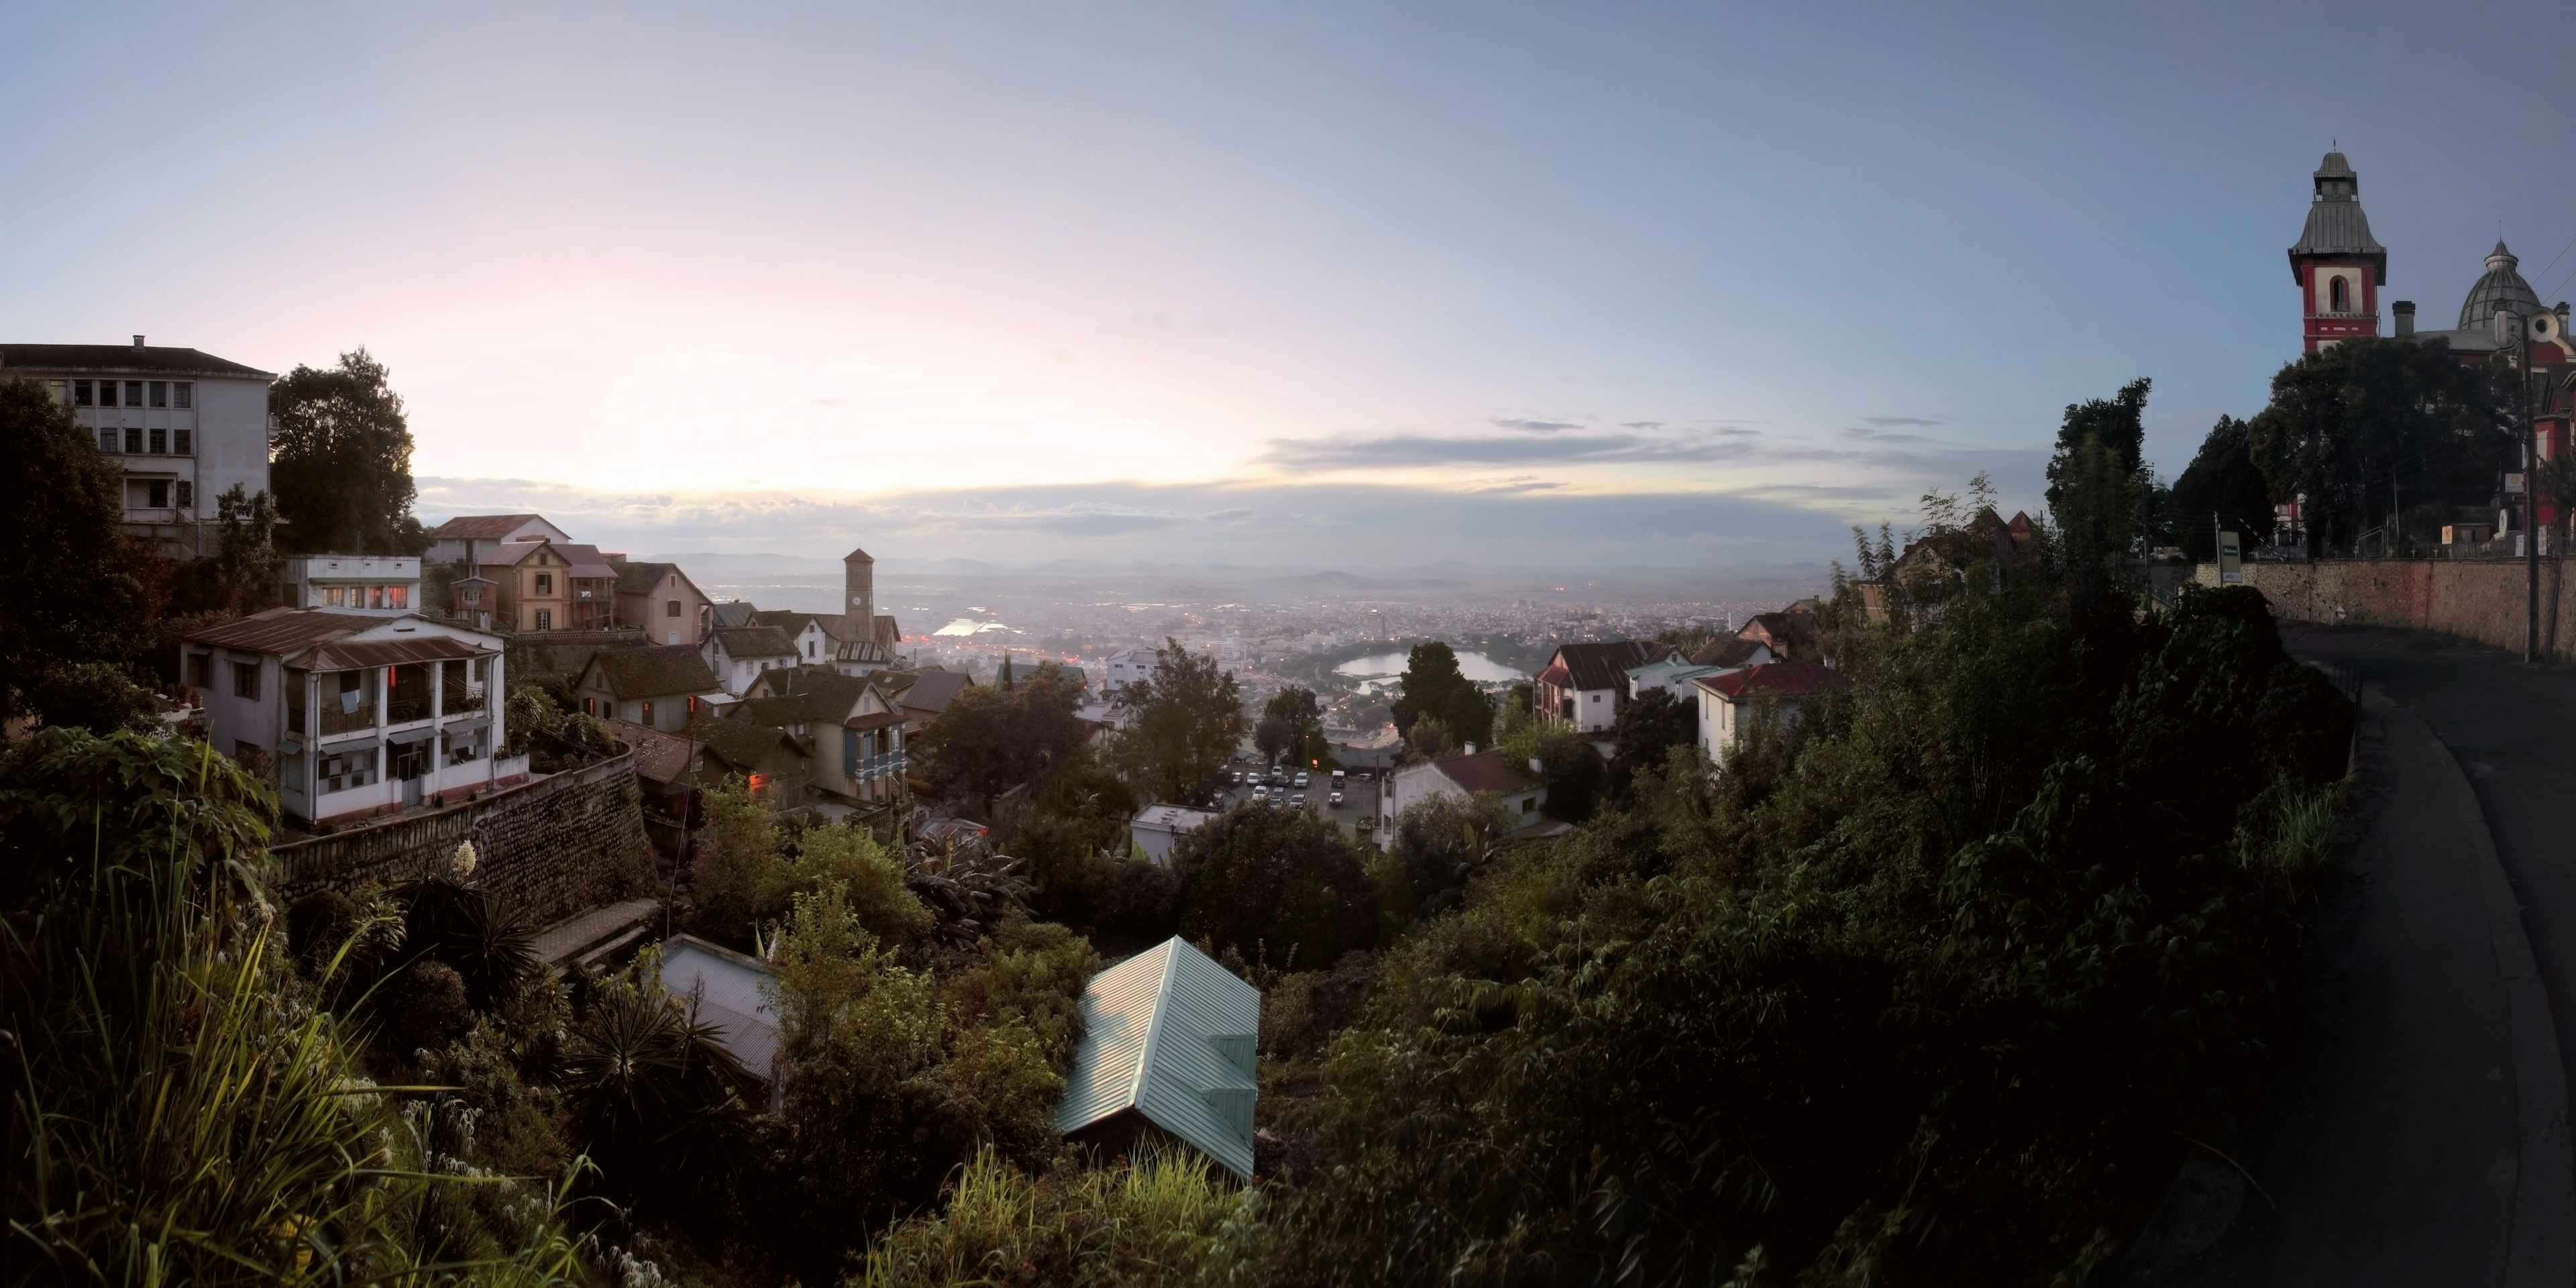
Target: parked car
[1238,778]
[1336,798]
[1301,778]
[1278,795]
[1298,800]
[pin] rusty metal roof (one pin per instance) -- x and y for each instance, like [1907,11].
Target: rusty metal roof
[282,630]
[350,655]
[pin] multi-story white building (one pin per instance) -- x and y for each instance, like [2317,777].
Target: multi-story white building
[354,712]
[185,425]
[353,581]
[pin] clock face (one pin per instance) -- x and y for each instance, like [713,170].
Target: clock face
[855,601]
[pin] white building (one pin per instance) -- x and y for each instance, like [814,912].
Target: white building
[1518,789]
[186,426]
[738,654]
[353,581]
[1675,676]
[1134,666]
[1774,694]
[354,713]
[1157,828]
[469,538]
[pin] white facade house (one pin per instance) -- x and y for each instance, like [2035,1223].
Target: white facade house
[185,426]
[738,654]
[1518,789]
[1134,666]
[353,581]
[1676,677]
[1157,828]
[353,712]
[1773,694]
[1585,685]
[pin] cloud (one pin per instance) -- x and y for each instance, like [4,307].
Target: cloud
[1535,426]
[1882,436]
[1896,422]
[1641,424]
[1515,486]
[831,402]
[1413,451]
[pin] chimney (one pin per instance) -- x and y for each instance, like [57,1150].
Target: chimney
[2405,312]
[138,344]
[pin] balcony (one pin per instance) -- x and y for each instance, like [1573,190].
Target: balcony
[406,710]
[465,703]
[335,721]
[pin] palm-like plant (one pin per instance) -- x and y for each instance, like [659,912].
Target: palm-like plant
[469,930]
[652,1090]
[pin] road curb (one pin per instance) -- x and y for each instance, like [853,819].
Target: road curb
[2543,1247]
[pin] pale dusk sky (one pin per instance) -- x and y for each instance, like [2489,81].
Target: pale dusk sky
[1274,284]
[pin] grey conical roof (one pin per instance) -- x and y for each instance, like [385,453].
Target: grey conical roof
[2336,225]
[2503,285]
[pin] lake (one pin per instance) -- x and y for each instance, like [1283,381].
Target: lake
[1475,666]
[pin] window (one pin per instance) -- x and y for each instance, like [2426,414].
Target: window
[181,394]
[335,596]
[133,393]
[590,706]
[81,396]
[1596,697]
[809,648]
[545,619]
[201,670]
[157,494]
[473,597]
[160,442]
[693,704]
[292,686]
[2342,296]
[670,608]
[397,596]
[647,721]
[183,442]
[187,495]
[107,440]
[160,395]
[375,596]
[246,680]
[61,389]
[133,442]
[545,583]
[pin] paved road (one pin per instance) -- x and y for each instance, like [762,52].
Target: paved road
[2421,1136]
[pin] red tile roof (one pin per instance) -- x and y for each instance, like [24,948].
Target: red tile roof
[1602,664]
[1775,679]
[1487,771]
[480,527]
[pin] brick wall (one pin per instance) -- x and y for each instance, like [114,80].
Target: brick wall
[548,848]
[2478,599]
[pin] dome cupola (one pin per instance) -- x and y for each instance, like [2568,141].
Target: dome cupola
[2502,285]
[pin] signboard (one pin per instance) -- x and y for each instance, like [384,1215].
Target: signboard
[2231,561]
[2513,485]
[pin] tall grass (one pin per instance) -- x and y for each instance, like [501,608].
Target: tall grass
[183,1110]
[1152,1221]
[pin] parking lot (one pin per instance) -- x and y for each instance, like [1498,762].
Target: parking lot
[1359,795]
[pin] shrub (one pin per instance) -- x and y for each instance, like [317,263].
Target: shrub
[1274,885]
[423,1006]
[467,930]
[654,1097]
[1151,1220]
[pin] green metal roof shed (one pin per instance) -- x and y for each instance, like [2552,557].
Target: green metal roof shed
[1168,1036]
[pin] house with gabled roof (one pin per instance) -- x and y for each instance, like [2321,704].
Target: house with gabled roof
[354,714]
[661,601]
[1167,1043]
[1773,695]
[738,654]
[852,726]
[466,538]
[1515,787]
[770,760]
[660,686]
[810,633]
[1585,685]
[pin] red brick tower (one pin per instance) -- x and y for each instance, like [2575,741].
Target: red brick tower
[2339,266]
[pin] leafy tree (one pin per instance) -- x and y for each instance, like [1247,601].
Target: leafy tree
[1288,722]
[2222,484]
[2099,487]
[1275,885]
[989,739]
[2345,422]
[1441,842]
[341,461]
[1435,689]
[1075,838]
[1188,721]
[1646,730]
[71,580]
[245,553]
[1567,765]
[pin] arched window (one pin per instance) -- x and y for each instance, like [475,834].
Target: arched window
[2341,294]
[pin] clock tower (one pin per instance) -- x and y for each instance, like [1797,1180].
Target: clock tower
[2339,266]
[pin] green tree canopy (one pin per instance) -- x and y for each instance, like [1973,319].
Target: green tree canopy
[2346,422]
[1288,721]
[2099,488]
[1276,885]
[342,461]
[989,740]
[2221,487]
[1188,721]
[1434,688]
[73,596]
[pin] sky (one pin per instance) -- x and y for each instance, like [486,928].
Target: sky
[1312,284]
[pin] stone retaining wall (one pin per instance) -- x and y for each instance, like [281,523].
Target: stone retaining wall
[548,848]
[2478,599]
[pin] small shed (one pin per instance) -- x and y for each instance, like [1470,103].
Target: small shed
[1167,1040]
[723,987]
[1157,828]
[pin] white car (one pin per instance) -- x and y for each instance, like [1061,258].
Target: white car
[1336,798]
[1298,800]
[1301,778]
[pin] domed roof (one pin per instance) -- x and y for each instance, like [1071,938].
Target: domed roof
[2502,285]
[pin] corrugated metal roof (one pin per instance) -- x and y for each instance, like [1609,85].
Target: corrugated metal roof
[1169,1033]
[161,360]
[349,655]
[724,985]
[481,527]
[282,630]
